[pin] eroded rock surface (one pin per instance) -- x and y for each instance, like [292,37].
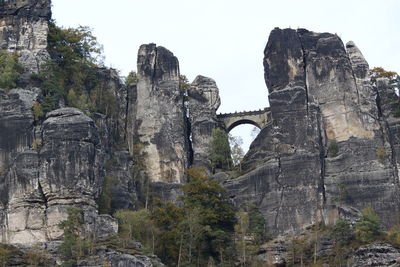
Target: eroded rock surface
[23,30]
[204,101]
[62,168]
[376,255]
[117,259]
[159,115]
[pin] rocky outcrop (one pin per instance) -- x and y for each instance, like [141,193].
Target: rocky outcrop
[117,259]
[62,167]
[203,102]
[326,148]
[23,30]
[376,255]
[159,115]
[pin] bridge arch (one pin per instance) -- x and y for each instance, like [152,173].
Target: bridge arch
[258,118]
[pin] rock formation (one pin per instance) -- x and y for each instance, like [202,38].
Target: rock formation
[23,30]
[159,115]
[203,99]
[60,167]
[330,148]
[326,148]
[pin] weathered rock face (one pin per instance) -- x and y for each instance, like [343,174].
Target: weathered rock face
[117,259]
[23,30]
[124,191]
[203,103]
[62,168]
[321,100]
[16,123]
[159,115]
[376,255]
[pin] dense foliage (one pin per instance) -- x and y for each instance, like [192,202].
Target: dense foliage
[73,74]
[195,233]
[10,70]
[220,150]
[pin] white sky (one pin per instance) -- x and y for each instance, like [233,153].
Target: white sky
[225,39]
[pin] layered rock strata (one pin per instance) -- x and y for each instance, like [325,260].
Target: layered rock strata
[326,149]
[159,119]
[23,30]
[49,169]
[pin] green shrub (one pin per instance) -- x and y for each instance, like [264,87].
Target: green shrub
[10,70]
[393,236]
[131,79]
[333,149]
[75,61]
[131,227]
[73,246]
[368,229]
[341,232]
[220,150]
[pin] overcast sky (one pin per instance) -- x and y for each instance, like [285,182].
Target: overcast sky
[225,39]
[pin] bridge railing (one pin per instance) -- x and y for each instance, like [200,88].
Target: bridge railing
[244,113]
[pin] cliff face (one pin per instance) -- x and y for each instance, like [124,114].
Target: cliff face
[60,167]
[159,115]
[331,148]
[327,148]
[23,30]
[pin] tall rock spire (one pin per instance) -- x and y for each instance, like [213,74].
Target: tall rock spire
[159,115]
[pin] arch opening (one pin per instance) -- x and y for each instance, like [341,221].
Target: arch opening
[245,133]
[241,122]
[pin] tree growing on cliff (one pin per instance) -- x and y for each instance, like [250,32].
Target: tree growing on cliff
[220,150]
[10,70]
[394,84]
[76,57]
[73,246]
[368,229]
[379,72]
[131,79]
[216,215]
[131,227]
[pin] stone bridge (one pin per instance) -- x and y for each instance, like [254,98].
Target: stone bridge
[259,118]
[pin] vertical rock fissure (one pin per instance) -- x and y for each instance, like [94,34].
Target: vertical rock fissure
[126,115]
[153,67]
[303,51]
[354,78]
[322,153]
[43,196]
[282,187]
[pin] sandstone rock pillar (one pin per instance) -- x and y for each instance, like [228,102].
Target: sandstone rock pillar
[159,115]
